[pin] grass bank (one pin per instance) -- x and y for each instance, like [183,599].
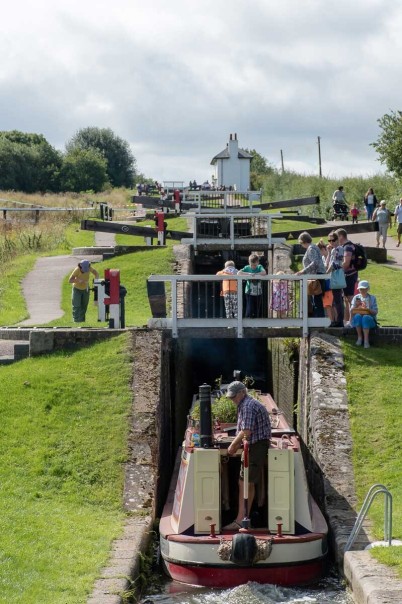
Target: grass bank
[64,441]
[375,407]
[134,268]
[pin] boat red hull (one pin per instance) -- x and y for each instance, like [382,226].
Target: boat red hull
[231,576]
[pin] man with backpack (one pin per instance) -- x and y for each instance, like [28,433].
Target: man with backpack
[354,259]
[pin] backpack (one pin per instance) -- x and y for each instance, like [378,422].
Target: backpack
[359,259]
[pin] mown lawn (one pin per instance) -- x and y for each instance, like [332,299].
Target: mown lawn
[63,430]
[386,284]
[375,406]
[134,269]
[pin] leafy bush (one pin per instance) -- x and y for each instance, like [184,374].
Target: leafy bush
[222,408]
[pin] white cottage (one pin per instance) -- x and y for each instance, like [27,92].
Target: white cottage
[232,166]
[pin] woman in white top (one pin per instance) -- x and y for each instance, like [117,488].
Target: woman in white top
[370,202]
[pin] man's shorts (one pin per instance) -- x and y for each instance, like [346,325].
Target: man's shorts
[399,228]
[257,458]
[351,281]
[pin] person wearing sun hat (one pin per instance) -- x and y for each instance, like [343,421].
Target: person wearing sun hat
[364,311]
[253,423]
[80,294]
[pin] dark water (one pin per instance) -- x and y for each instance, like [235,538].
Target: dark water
[330,590]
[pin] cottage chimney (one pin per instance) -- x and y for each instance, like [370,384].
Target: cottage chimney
[233,146]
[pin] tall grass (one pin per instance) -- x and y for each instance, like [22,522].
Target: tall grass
[116,197]
[289,185]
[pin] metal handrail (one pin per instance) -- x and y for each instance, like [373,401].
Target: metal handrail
[302,320]
[373,492]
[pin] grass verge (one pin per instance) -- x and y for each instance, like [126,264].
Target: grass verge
[134,270]
[64,441]
[12,302]
[375,407]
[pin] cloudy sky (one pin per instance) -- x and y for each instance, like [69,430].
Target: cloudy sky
[175,78]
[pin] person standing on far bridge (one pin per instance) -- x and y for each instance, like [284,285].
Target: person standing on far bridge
[80,295]
[229,290]
[253,288]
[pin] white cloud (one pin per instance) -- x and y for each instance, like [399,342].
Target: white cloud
[174,79]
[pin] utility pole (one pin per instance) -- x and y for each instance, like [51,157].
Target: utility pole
[319,155]
[283,167]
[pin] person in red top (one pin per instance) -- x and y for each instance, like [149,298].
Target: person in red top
[354,212]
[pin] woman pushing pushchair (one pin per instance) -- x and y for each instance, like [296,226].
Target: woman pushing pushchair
[340,208]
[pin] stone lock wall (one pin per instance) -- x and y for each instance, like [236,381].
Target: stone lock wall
[284,374]
[323,423]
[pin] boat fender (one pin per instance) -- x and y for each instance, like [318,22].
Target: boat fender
[244,549]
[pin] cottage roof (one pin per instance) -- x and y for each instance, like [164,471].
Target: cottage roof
[225,154]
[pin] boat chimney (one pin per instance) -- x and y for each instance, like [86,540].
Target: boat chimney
[205,416]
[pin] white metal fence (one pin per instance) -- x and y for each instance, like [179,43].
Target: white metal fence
[196,301]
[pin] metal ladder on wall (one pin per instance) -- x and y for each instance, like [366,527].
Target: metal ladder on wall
[375,490]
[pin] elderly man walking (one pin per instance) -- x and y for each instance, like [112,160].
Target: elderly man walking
[398,220]
[383,217]
[254,425]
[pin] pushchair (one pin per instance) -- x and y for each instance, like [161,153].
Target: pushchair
[340,210]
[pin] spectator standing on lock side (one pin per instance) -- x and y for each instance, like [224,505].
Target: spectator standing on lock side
[314,265]
[80,294]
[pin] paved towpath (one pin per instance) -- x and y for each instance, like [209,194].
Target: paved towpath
[394,253]
[42,286]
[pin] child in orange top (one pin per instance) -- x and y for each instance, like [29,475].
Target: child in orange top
[229,290]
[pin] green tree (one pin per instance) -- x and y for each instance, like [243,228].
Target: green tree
[120,162]
[259,164]
[83,170]
[389,142]
[28,162]
[259,167]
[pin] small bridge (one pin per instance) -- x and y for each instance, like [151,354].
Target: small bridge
[195,304]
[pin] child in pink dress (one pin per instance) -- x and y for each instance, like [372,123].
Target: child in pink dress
[280,302]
